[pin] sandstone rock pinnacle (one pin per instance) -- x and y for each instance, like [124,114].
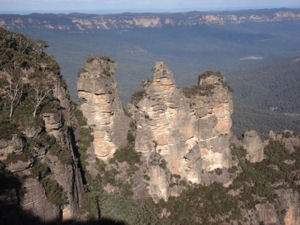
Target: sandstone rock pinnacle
[254,146]
[189,129]
[102,106]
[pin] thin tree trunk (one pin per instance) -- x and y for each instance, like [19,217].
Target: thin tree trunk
[11,110]
[34,112]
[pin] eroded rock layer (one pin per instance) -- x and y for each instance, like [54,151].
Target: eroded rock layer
[102,106]
[189,129]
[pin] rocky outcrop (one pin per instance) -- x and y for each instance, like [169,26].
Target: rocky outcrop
[266,214]
[189,129]
[102,107]
[65,171]
[287,137]
[9,146]
[52,123]
[36,202]
[289,206]
[254,146]
[85,23]
[183,137]
[39,148]
[285,210]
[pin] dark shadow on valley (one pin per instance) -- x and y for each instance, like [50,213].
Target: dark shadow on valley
[12,214]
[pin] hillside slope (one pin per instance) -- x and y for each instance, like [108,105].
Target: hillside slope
[273,86]
[38,129]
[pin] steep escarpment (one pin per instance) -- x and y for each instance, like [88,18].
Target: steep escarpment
[102,107]
[86,22]
[37,131]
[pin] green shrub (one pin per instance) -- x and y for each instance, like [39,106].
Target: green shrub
[218,74]
[85,137]
[137,96]
[54,192]
[128,154]
[109,176]
[130,137]
[7,128]
[287,134]
[50,105]
[232,169]
[90,58]
[239,153]
[82,121]
[24,111]
[276,152]
[201,203]
[39,169]
[62,154]
[197,90]
[218,171]
[14,157]
[106,58]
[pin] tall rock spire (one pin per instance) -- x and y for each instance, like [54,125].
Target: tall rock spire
[102,107]
[189,129]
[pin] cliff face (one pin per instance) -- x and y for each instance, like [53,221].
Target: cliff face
[102,107]
[85,23]
[189,130]
[38,145]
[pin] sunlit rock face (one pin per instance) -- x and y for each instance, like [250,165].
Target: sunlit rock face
[254,146]
[189,129]
[178,132]
[102,106]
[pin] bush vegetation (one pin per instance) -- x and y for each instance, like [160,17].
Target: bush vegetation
[206,89]
[202,205]
[39,169]
[27,78]
[85,137]
[54,191]
[128,154]
[259,179]
[62,154]
[138,95]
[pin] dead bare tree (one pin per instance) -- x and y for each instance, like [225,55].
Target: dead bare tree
[42,86]
[15,93]
[14,85]
[40,95]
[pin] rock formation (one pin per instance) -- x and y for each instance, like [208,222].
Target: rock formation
[288,138]
[254,146]
[175,146]
[189,129]
[102,107]
[86,23]
[183,138]
[38,149]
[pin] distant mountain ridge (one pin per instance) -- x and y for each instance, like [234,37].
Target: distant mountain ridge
[79,22]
